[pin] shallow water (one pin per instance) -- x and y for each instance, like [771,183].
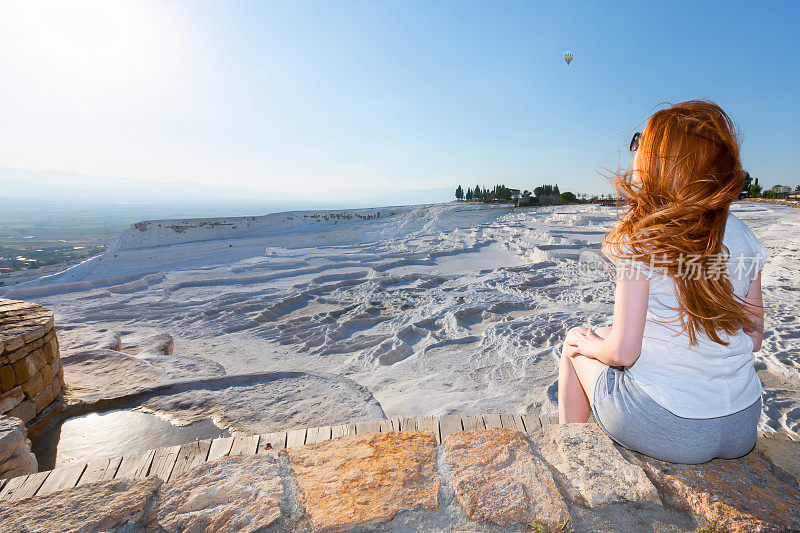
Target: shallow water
[112,434]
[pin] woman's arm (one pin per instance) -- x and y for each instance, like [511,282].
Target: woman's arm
[623,345]
[756,311]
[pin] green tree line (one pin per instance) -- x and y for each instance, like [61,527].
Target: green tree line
[501,193]
[547,193]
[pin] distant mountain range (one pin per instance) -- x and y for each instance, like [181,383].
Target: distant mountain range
[73,188]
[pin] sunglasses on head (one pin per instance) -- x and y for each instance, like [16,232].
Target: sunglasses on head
[635,141]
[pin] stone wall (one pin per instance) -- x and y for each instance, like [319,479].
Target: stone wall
[30,365]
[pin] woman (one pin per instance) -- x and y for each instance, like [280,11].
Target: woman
[673,376]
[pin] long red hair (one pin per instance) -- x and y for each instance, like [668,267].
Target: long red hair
[686,176]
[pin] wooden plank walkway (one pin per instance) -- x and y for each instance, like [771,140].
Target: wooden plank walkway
[170,461]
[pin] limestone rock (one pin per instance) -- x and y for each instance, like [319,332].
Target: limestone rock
[104,371]
[47,375]
[33,386]
[366,479]
[16,458]
[7,378]
[26,411]
[21,463]
[498,479]
[162,343]
[11,399]
[12,436]
[782,452]
[591,467]
[102,506]
[43,399]
[744,494]
[239,493]
[278,401]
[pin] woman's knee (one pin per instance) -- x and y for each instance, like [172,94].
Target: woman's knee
[566,353]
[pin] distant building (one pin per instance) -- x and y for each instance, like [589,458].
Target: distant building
[794,197]
[548,199]
[527,201]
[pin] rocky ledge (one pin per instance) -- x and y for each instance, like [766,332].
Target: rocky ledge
[560,478]
[16,458]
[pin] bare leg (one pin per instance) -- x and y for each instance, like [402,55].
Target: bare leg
[574,378]
[573,405]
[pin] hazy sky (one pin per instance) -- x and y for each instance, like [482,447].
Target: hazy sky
[349,96]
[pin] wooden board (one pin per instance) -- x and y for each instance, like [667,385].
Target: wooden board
[492,420]
[318,434]
[220,448]
[246,445]
[777,435]
[311,435]
[324,433]
[100,470]
[295,437]
[549,420]
[11,486]
[371,426]
[164,461]
[23,486]
[135,465]
[62,478]
[408,424]
[342,430]
[532,423]
[430,423]
[277,441]
[449,424]
[471,422]
[512,422]
[190,455]
[390,424]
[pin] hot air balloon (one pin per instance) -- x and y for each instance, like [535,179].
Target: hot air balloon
[568,57]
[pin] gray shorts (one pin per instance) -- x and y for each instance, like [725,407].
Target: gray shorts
[634,420]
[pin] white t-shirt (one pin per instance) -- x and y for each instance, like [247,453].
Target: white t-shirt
[708,379]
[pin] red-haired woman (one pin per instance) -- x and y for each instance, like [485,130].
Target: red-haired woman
[673,377]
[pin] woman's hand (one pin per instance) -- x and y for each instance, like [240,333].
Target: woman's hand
[570,350]
[582,341]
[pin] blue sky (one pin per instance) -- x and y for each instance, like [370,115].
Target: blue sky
[351,97]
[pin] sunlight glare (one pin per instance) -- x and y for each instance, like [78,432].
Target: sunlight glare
[92,41]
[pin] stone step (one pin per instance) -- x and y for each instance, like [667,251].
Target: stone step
[552,478]
[168,464]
